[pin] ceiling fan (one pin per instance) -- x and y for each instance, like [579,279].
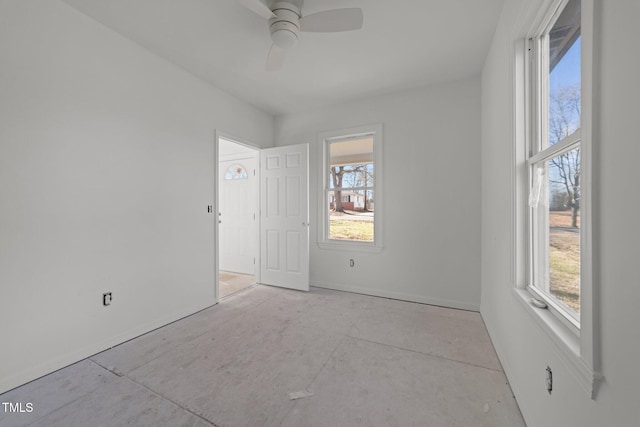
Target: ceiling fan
[286,21]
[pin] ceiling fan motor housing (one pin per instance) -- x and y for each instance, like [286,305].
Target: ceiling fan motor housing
[286,24]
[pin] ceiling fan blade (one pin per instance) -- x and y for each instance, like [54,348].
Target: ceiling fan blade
[332,21]
[275,59]
[258,7]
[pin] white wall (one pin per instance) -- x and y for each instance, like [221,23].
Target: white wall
[431,190]
[106,171]
[523,348]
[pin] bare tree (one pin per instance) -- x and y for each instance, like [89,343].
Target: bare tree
[564,119]
[367,180]
[350,176]
[337,174]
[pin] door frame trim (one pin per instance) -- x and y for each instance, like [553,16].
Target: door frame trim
[216,195]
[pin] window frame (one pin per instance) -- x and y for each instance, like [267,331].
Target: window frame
[325,139]
[538,153]
[566,316]
[577,347]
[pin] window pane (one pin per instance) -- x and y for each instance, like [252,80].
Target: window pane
[236,171]
[351,163]
[355,220]
[564,74]
[351,176]
[558,231]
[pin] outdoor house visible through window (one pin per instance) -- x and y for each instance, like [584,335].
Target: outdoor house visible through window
[555,164]
[350,189]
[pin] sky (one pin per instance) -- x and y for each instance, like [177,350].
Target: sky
[567,71]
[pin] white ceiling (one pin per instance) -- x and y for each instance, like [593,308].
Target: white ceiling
[403,44]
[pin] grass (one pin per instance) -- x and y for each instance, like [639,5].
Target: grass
[340,229]
[561,219]
[564,261]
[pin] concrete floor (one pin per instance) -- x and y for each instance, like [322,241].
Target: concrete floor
[230,282]
[360,360]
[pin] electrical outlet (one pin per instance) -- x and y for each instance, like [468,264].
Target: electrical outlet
[106,298]
[549,380]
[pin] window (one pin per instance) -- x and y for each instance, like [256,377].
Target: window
[555,164]
[553,179]
[351,189]
[236,171]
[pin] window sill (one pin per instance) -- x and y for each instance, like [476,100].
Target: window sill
[565,341]
[350,246]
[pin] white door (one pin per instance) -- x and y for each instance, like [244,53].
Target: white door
[237,215]
[284,227]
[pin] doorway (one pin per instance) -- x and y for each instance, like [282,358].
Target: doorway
[238,198]
[262,226]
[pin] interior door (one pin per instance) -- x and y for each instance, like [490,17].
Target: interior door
[284,225]
[237,215]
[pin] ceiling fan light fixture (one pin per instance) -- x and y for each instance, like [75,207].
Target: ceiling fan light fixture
[286,21]
[284,38]
[284,27]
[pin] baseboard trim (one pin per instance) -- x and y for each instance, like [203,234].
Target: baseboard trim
[398,295]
